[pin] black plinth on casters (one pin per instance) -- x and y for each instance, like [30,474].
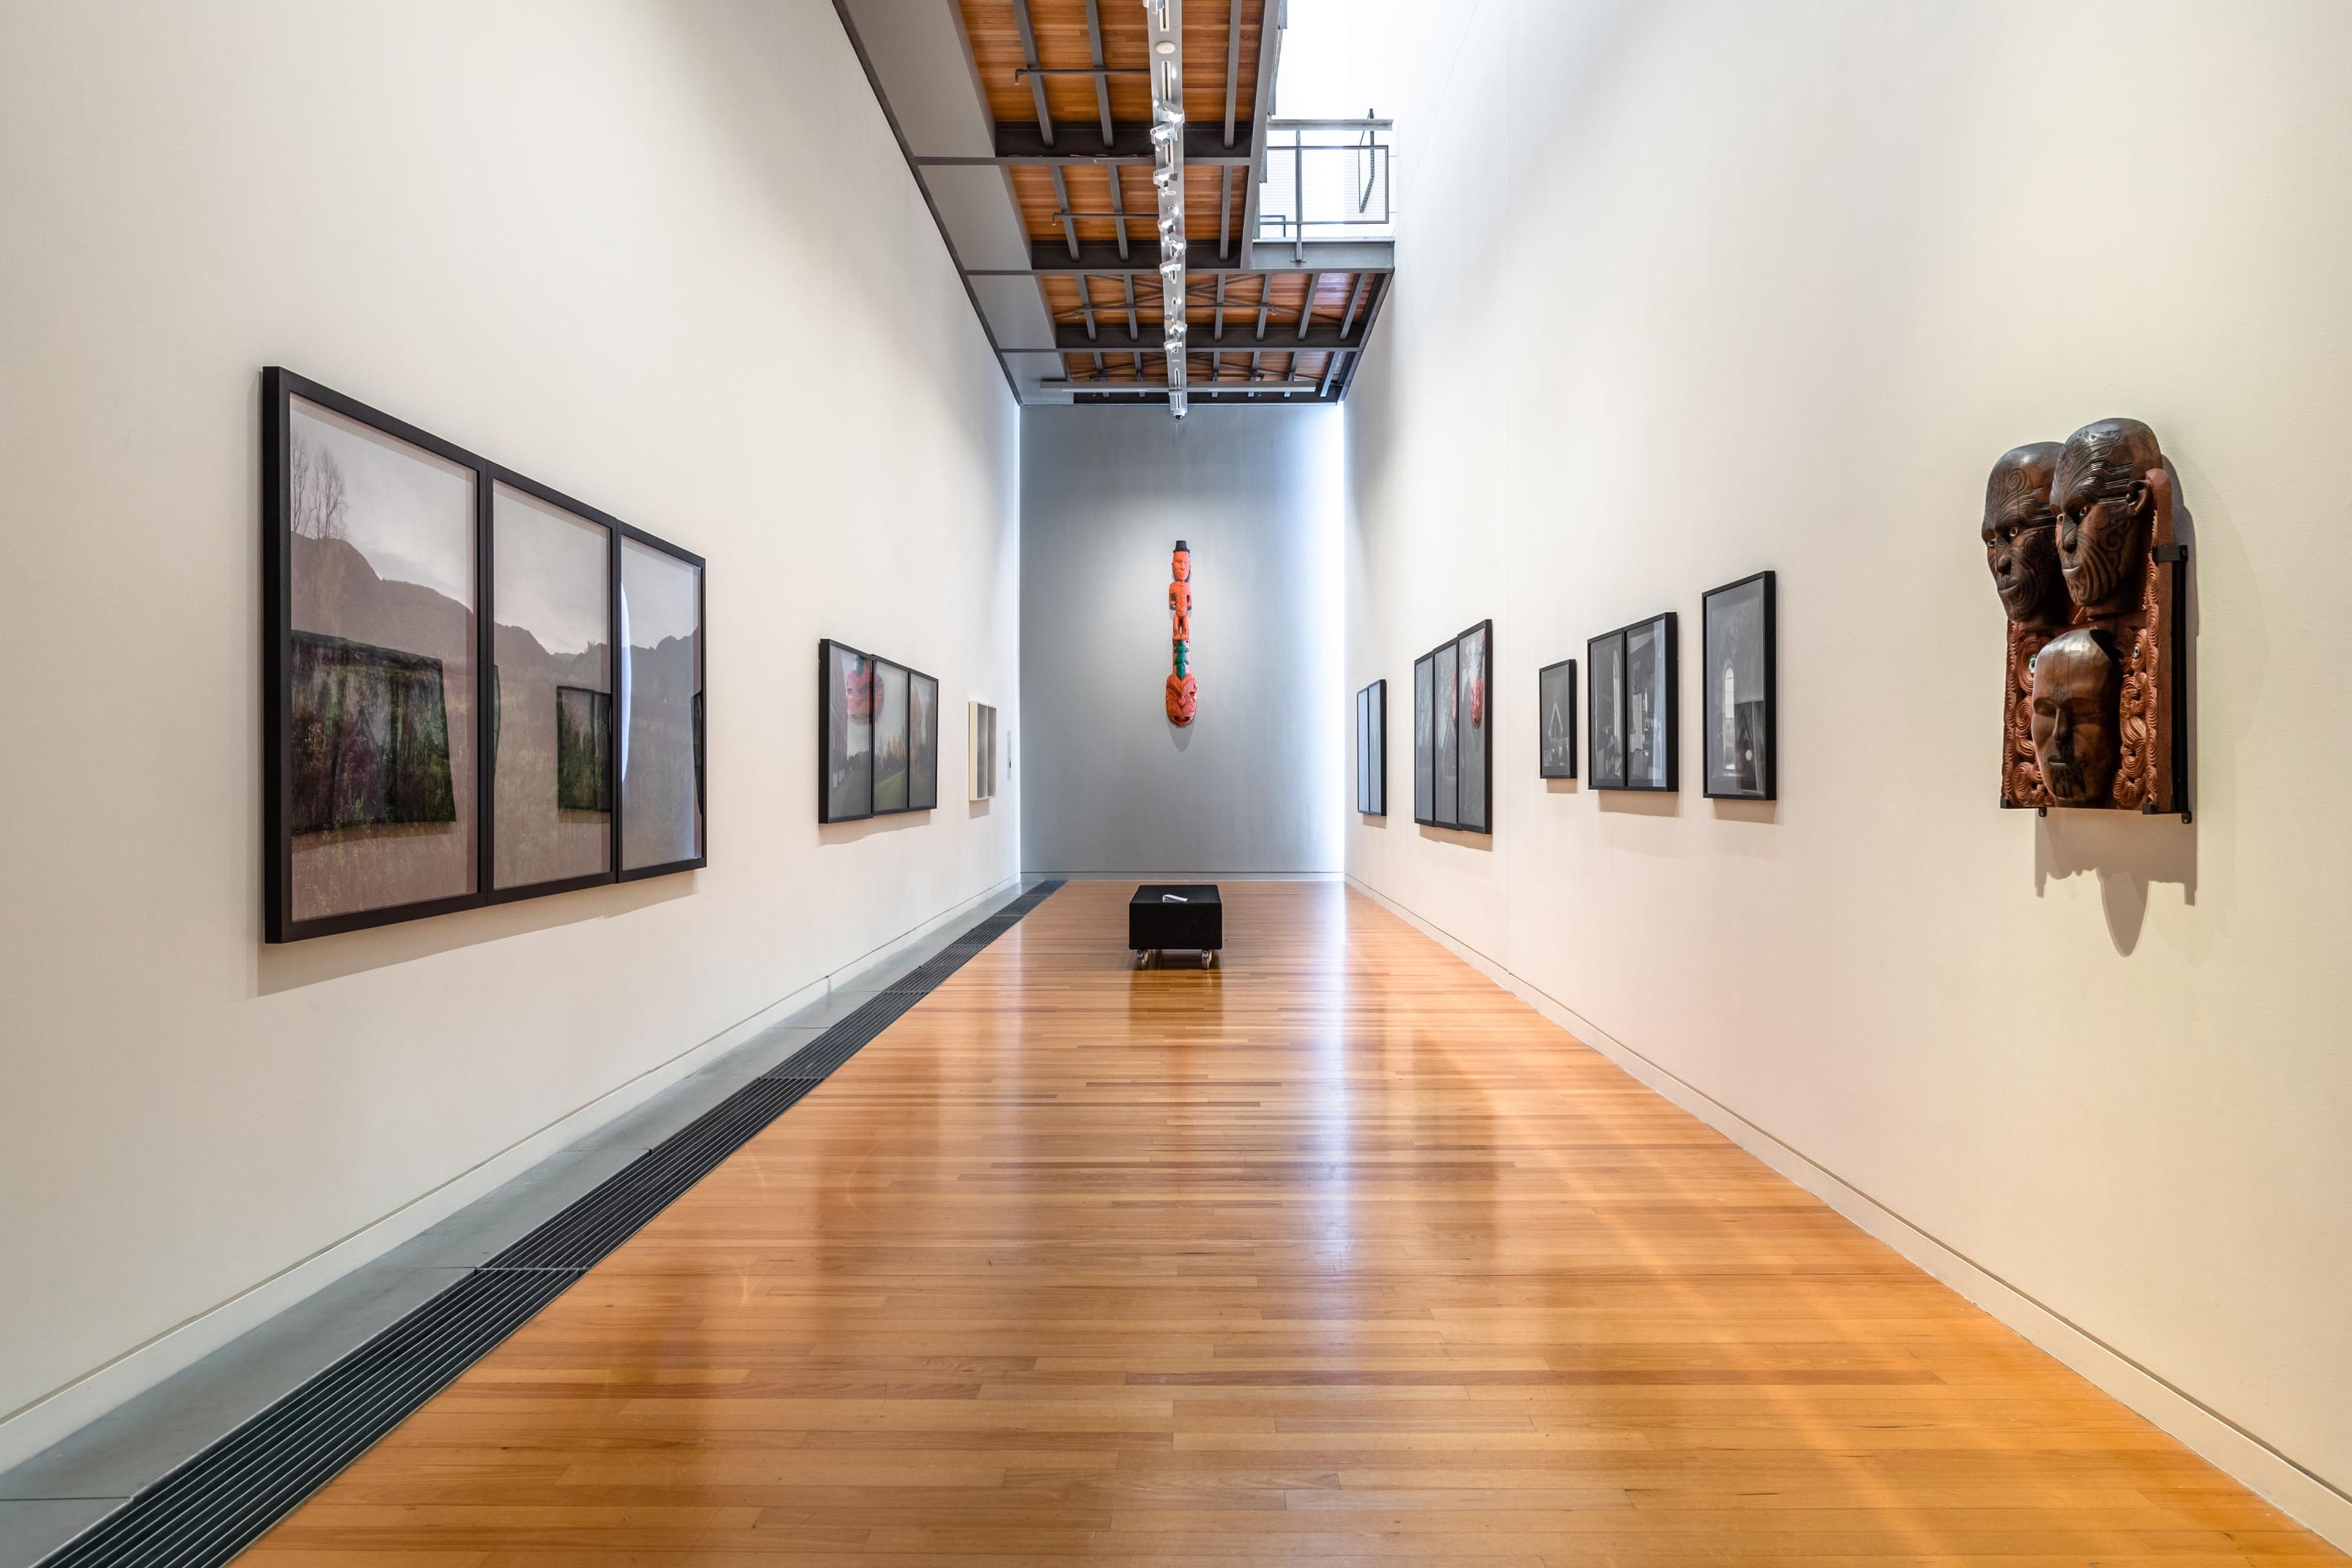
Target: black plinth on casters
[1184,916]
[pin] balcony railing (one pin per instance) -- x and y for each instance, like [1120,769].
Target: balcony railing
[1326,179]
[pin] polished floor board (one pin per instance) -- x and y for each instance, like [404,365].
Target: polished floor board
[1334,1253]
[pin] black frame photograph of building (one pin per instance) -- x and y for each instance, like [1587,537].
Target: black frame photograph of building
[1452,682]
[386,666]
[1372,749]
[1556,721]
[1738,695]
[1635,708]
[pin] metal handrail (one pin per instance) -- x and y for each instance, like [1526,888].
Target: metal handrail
[1366,142]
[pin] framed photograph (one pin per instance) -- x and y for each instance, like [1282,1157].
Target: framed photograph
[661,719]
[1556,721]
[1736,689]
[447,711]
[923,741]
[373,689]
[1605,656]
[983,751]
[1473,731]
[554,762]
[845,741]
[1372,749]
[892,738]
[1363,749]
[1424,743]
[1444,676]
[1633,706]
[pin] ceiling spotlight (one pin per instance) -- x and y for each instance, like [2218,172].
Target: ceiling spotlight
[1172,268]
[1164,134]
[1169,113]
[1177,327]
[1172,247]
[1163,176]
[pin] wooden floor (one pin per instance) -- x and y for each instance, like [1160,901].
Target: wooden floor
[1336,1254]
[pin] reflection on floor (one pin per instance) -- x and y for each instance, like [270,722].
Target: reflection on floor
[1334,1252]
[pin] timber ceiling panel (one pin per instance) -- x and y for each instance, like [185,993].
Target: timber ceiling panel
[1093,306]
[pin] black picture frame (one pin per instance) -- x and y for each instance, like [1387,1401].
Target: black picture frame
[1739,733]
[1424,723]
[1372,749]
[1555,683]
[1473,707]
[1617,721]
[612,526]
[857,799]
[280,387]
[697,709]
[889,672]
[922,769]
[1446,762]
[1451,787]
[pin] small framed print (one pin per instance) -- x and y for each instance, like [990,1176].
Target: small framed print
[1737,690]
[893,752]
[1634,675]
[981,744]
[1474,710]
[1424,733]
[660,725]
[845,745]
[923,741]
[1449,801]
[1556,721]
[1373,750]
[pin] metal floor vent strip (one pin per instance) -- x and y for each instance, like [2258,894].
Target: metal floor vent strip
[224,1500]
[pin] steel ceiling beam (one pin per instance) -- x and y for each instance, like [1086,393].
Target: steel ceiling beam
[1071,337]
[1269,64]
[1019,142]
[1036,80]
[1102,255]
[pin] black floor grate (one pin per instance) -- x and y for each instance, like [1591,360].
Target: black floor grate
[221,1501]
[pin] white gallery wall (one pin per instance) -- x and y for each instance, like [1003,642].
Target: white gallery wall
[1254,783]
[1686,291]
[664,257]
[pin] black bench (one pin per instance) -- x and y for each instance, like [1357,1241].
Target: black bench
[1168,915]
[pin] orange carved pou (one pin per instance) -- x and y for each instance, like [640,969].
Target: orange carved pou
[1183,691]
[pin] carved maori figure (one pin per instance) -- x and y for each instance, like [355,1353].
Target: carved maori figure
[2073,716]
[2081,540]
[1183,694]
[2020,536]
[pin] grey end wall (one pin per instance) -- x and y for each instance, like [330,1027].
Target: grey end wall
[1257,783]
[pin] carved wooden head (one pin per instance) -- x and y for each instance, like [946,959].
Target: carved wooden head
[2104,504]
[2020,535]
[2076,683]
[1182,562]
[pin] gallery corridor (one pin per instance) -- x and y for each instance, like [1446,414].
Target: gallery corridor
[1337,1252]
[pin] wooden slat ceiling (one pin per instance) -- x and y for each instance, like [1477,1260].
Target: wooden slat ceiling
[1210,204]
[1060,27]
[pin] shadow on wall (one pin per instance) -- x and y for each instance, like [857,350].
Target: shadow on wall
[2126,852]
[296,964]
[1481,841]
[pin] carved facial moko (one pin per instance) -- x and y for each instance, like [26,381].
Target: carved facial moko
[2104,504]
[2020,535]
[2075,682]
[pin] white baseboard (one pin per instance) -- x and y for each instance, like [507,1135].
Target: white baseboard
[2312,1500]
[65,1410]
